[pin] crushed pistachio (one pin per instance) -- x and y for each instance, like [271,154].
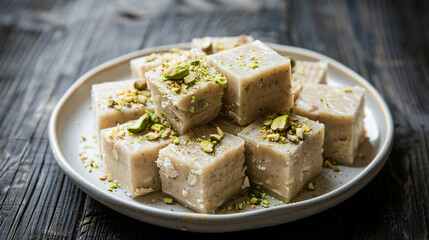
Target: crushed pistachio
[206,146]
[168,200]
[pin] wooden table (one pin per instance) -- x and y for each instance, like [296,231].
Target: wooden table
[45,46]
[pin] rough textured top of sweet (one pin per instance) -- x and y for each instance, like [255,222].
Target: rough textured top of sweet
[337,100]
[249,59]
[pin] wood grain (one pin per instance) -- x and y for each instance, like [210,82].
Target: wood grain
[46,45]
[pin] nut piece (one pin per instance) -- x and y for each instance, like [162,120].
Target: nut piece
[140,84]
[206,45]
[221,81]
[140,124]
[192,179]
[151,136]
[273,137]
[207,146]
[177,73]
[280,123]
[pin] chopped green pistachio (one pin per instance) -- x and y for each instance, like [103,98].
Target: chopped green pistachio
[336,169]
[111,102]
[176,141]
[207,146]
[168,200]
[280,123]
[157,127]
[151,136]
[113,186]
[255,193]
[195,62]
[310,186]
[273,137]
[327,164]
[192,99]
[118,107]
[191,109]
[292,61]
[140,124]
[190,79]
[306,128]
[140,84]
[165,133]
[215,137]
[219,131]
[221,81]
[267,122]
[177,72]
[141,99]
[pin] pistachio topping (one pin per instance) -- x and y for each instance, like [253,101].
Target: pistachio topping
[157,127]
[140,124]
[177,72]
[221,81]
[140,84]
[280,123]
[206,146]
[219,131]
[151,136]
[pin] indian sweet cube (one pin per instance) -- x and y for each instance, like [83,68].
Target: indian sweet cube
[130,150]
[187,91]
[283,153]
[308,72]
[139,66]
[258,81]
[341,109]
[204,170]
[119,101]
[212,45]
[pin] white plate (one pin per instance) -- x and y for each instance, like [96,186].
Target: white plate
[72,119]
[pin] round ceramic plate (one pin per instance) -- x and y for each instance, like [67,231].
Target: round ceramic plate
[74,143]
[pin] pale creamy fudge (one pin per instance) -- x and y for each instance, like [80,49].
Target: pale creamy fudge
[308,72]
[227,125]
[139,66]
[212,45]
[341,109]
[187,91]
[283,153]
[202,175]
[129,157]
[258,81]
[118,102]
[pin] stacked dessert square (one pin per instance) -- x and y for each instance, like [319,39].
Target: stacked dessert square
[200,124]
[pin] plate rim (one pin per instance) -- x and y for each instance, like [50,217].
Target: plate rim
[199,222]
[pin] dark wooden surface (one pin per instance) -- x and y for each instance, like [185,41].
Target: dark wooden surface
[46,45]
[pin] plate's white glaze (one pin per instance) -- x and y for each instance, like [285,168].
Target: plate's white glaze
[72,119]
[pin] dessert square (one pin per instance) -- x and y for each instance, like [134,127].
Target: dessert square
[283,153]
[341,109]
[118,102]
[139,66]
[129,157]
[187,91]
[212,45]
[202,175]
[259,81]
[308,72]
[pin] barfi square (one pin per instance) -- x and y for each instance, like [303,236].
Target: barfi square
[283,153]
[341,109]
[187,91]
[212,45]
[202,175]
[308,72]
[118,102]
[139,66]
[259,81]
[129,158]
